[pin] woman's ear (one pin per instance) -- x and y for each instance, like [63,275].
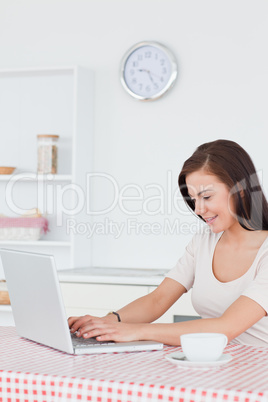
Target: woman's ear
[240,186]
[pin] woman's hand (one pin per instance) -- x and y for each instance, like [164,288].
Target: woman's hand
[105,329]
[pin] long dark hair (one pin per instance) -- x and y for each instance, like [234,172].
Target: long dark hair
[233,166]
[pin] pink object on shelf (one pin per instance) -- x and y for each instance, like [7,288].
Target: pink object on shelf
[24,228]
[39,222]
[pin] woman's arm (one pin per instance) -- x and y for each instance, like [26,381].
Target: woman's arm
[240,316]
[143,310]
[152,306]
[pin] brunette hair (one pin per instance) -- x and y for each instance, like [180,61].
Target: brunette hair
[233,166]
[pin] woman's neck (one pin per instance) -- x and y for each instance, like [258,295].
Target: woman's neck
[238,236]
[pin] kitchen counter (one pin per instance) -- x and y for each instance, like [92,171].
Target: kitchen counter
[120,276]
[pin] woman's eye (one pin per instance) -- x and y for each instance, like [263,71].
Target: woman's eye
[207,197]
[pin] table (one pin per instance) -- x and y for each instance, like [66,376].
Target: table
[31,372]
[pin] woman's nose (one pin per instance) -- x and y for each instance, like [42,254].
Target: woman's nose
[199,207]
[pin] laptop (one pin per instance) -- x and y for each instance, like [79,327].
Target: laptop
[38,307]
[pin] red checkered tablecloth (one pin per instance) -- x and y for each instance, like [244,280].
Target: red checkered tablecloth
[31,372]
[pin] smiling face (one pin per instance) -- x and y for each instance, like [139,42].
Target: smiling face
[212,200]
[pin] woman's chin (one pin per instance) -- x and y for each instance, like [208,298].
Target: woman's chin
[215,229]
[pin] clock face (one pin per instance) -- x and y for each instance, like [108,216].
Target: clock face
[148,70]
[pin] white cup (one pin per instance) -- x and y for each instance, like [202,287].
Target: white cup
[203,347]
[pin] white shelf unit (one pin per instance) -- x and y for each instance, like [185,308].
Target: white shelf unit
[35,177]
[59,101]
[39,243]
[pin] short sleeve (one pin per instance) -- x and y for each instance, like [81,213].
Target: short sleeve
[184,270]
[257,290]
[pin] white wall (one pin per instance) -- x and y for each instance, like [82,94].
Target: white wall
[221,92]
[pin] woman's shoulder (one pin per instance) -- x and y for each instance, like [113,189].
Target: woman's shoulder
[265,242]
[263,250]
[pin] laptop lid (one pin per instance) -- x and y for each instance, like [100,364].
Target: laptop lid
[36,300]
[38,307]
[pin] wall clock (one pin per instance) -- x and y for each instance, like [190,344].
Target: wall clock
[148,70]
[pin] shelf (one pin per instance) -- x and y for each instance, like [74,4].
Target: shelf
[38,70]
[35,177]
[39,243]
[5,308]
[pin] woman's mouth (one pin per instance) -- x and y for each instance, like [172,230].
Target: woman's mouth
[209,221]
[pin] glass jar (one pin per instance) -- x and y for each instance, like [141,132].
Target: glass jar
[47,153]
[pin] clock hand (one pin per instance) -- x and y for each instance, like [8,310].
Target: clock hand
[143,70]
[147,71]
[151,78]
[155,75]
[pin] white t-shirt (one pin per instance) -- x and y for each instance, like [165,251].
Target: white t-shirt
[210,297]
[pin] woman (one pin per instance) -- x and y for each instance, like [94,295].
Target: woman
[226,265]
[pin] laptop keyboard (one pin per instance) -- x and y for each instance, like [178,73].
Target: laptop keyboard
[81,342]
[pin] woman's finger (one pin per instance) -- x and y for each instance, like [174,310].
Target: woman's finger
[79,322]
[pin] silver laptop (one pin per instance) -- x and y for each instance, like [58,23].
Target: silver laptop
[38,308]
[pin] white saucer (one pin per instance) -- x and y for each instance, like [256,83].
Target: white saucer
[180,360]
